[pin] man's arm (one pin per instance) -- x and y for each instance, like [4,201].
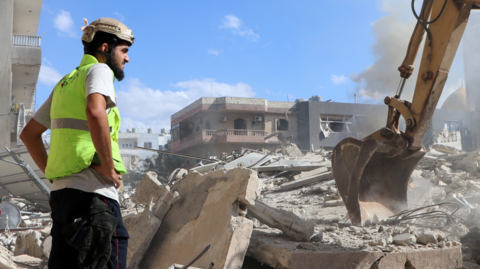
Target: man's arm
[100,132]
[32,138]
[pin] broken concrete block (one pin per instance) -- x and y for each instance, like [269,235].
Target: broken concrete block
[206,214]
[279,252]
[242,231]
[426,236]
[130,220]
[288,222]
[141,235]
[46,232]
[473,185]
[445,149]
[164,203]
[29,242]
[311,173]
[6,259]
[333,203]
[47,247]
[317,238]
[181,174]
[404,239]
[307,181]
[143,226]
[292,150]
[148,189]
[26,261]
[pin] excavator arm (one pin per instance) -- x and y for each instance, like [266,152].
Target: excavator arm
[372,174]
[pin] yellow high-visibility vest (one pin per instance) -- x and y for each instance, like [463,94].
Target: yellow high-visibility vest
[71,146]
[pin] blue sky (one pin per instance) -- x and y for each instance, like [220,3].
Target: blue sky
[279,50]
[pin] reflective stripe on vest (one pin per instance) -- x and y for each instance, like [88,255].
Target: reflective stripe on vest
[66,123]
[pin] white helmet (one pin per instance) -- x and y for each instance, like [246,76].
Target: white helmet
[107,25]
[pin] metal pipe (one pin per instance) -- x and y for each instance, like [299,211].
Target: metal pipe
[400,87]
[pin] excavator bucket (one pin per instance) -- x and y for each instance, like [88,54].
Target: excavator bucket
[372,177]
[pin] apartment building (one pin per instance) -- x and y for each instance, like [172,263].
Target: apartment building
[131,156]
[210,126]
[20,58]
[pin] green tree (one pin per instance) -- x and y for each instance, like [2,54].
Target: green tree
[163,164]
[132,178]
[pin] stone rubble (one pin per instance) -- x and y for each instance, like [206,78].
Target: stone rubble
[284,212]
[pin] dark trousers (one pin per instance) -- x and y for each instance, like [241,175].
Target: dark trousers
[70,204]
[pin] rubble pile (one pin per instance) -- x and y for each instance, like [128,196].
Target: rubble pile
[300,210]
[282,209]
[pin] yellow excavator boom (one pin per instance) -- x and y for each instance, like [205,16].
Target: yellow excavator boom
[372,174]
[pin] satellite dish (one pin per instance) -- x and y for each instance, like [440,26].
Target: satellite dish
[14,215]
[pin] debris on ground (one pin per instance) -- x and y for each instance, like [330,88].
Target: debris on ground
[281,209]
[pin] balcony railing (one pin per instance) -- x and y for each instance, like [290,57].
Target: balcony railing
[26,40]
[221,136]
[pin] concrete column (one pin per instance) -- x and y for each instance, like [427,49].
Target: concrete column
[6,31]
[471,61]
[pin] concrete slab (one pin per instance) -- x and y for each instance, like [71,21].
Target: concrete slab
[249,160]
[29,242]
[279,253]
[210,211]
[141,235]
[26,261]
[143,226]
[290,224]
[312,173]
[6,261]
[307,181]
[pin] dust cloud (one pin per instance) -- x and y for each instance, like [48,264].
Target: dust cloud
[392,34]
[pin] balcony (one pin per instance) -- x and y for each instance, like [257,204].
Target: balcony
[26,41]
[222,136]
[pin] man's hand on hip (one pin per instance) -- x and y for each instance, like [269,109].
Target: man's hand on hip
[109,173]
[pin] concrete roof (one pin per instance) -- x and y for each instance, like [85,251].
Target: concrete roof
[208,101]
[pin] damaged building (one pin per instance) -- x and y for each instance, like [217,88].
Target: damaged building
[211,126]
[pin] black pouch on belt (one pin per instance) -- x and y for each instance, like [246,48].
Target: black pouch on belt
[92,235]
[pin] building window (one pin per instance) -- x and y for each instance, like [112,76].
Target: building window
[147,145]
[207,125]
[451,126]
[186,129]
[282,125]
[175,131]
[335,123]
[239,124]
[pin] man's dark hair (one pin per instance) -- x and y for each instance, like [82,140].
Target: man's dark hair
[98,40]
[112,41]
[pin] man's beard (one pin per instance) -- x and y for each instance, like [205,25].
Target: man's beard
[117,71]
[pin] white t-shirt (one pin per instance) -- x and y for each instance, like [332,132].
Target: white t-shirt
[99,80]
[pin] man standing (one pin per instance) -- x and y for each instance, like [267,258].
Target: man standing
[84,160]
